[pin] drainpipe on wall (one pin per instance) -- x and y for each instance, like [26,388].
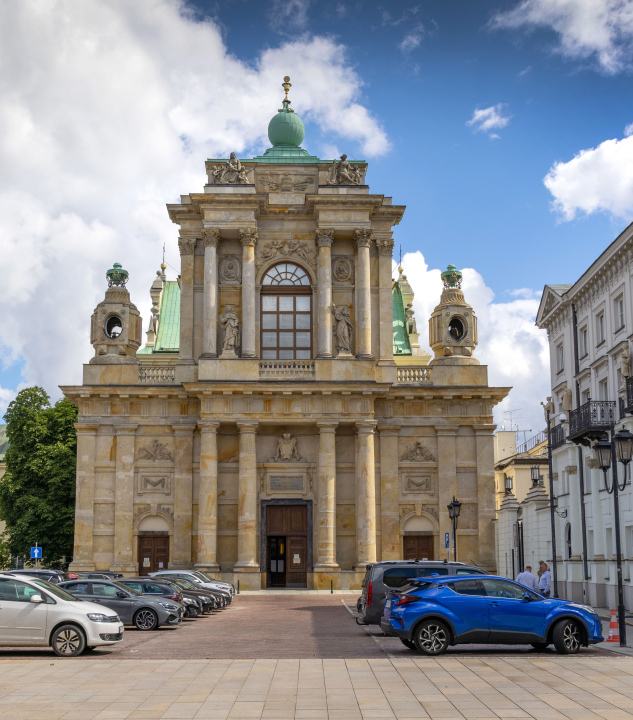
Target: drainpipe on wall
[581,469]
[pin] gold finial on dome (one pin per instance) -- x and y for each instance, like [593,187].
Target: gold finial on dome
[286,86]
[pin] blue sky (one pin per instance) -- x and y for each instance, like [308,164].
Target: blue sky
[462,109]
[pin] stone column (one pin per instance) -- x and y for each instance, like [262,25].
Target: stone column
[362,239]
[187,246]
[447,479]
[324,281]
[389,493]
[124,500]
[326,504]
[247,500]
[486,511]
[210,239]
[208,497]
[183,496]
[248,238]
[84,502]
[365,496]
[384,243]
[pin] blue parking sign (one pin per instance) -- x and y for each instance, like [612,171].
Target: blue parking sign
[446,540]
[36,553]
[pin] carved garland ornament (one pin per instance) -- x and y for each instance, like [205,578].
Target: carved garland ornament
[155,451]
[418,453]
[286,248]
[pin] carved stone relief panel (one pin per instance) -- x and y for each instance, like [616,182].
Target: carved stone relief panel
[155,451]
[343,269]
[292,248]
[153,482]
[417,483]
[286,182]
[230,270]
[417,452]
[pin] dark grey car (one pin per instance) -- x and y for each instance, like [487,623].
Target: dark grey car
[388,575]
[142,611]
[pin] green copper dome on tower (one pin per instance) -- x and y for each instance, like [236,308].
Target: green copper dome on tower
[452,277]
[286,127]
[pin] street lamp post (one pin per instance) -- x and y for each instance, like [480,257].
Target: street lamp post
[508,484]
[535,474]
[609,453]
[454,509]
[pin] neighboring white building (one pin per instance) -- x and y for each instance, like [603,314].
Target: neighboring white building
[590,326]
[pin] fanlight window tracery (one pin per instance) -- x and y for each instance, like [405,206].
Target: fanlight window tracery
[286,274]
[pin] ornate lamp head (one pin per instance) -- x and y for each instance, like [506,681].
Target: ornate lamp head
[116,275]
[452,277]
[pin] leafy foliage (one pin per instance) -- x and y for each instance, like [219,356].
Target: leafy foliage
[37,492]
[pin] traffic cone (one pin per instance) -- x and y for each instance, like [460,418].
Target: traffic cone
[614,630]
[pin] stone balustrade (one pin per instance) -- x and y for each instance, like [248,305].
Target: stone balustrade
[157,374]
[415,376]
[287,369]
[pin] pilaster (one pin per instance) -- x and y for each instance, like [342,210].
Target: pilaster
[248,238]
[247,500]
[210,239]
[124,500]
[187,247]
[326,509]
[183,496]
[362,240]
[486,511]
[324,240]
[208,497]
[365,496]
[384,243]
[84,502]
[389,493]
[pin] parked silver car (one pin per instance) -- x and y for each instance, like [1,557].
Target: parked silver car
[142,611]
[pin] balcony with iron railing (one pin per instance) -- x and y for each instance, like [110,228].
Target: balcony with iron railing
[557,436]
[629,395]
[591,421]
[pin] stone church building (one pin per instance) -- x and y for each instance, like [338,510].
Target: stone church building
[281,425]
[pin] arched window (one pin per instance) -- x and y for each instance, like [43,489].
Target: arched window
[286,313]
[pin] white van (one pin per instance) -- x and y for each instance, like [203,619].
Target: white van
[35,612]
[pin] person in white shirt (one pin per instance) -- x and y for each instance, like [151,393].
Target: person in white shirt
[528,579]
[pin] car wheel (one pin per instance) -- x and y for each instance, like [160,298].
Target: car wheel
[408,643]
[567,637]
[431,637]
[68,641]
[146,619]
[540,646]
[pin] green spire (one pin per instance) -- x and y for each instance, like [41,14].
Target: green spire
[452,277]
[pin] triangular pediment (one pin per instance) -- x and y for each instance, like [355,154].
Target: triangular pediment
[549,300]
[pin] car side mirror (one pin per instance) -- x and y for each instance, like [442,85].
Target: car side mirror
[121,594]
[527,597]
[36,599]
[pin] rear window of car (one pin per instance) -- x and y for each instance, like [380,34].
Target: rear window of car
[399,576]
[138,586]
[466,587]
[78,588]
[153,589]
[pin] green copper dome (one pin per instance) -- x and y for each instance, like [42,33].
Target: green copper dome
[452,277]
[286,128]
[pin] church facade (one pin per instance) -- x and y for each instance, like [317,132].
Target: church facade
[281,425]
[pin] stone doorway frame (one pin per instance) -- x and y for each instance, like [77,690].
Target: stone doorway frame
[262,546]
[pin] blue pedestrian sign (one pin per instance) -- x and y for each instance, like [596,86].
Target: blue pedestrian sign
[446,540]
[36,553]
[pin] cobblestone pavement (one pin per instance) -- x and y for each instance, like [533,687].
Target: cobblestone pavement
[304,658]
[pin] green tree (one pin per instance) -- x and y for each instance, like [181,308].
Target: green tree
[37,492]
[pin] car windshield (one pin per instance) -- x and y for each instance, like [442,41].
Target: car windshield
[185,584]
[200,576]
[54,590]
[126,588]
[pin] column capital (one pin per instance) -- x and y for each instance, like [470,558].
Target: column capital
[248,237]
[208,425]
[362,238]
[126,429]
[327,426]
[247,427]
[389,429]
[324,238]
[366,427]
[187,245]
[184,429]
[385,246]
[86,428]
[210,237]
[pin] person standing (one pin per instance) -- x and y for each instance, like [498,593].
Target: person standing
[545,582]
[528,579]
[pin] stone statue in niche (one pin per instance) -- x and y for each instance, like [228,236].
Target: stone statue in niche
[231,172]
[342,329]
[287,449]
[231,327]
[343,173]
[230,269]
[625,366]
[566,400]
[548,407]
[155,451]
[418,453]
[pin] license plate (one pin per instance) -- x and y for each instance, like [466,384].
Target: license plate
[388,603]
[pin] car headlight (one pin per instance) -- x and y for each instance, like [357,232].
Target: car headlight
[169,606]
[586,608]
[99,617]
[189,601]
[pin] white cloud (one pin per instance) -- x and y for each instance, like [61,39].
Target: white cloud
[628,130]
[108,111]
[596,180]
[288,15]
[489,119]
[586,28]
[412,40]
[514,349]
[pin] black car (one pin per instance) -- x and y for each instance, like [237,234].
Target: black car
[223,598]
[52,576]
[142,611]
[383,577]
[209,601]
[99,575]
[192,605]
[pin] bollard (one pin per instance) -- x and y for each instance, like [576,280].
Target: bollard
[238,587]
[331,587]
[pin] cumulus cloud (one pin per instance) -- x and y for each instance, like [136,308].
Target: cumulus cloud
[412,39]
[488,119]
[514,349]
[596,180]
[628,130]
[600,29]
[108,111]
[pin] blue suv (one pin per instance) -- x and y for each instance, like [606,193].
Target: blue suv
[431,614]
